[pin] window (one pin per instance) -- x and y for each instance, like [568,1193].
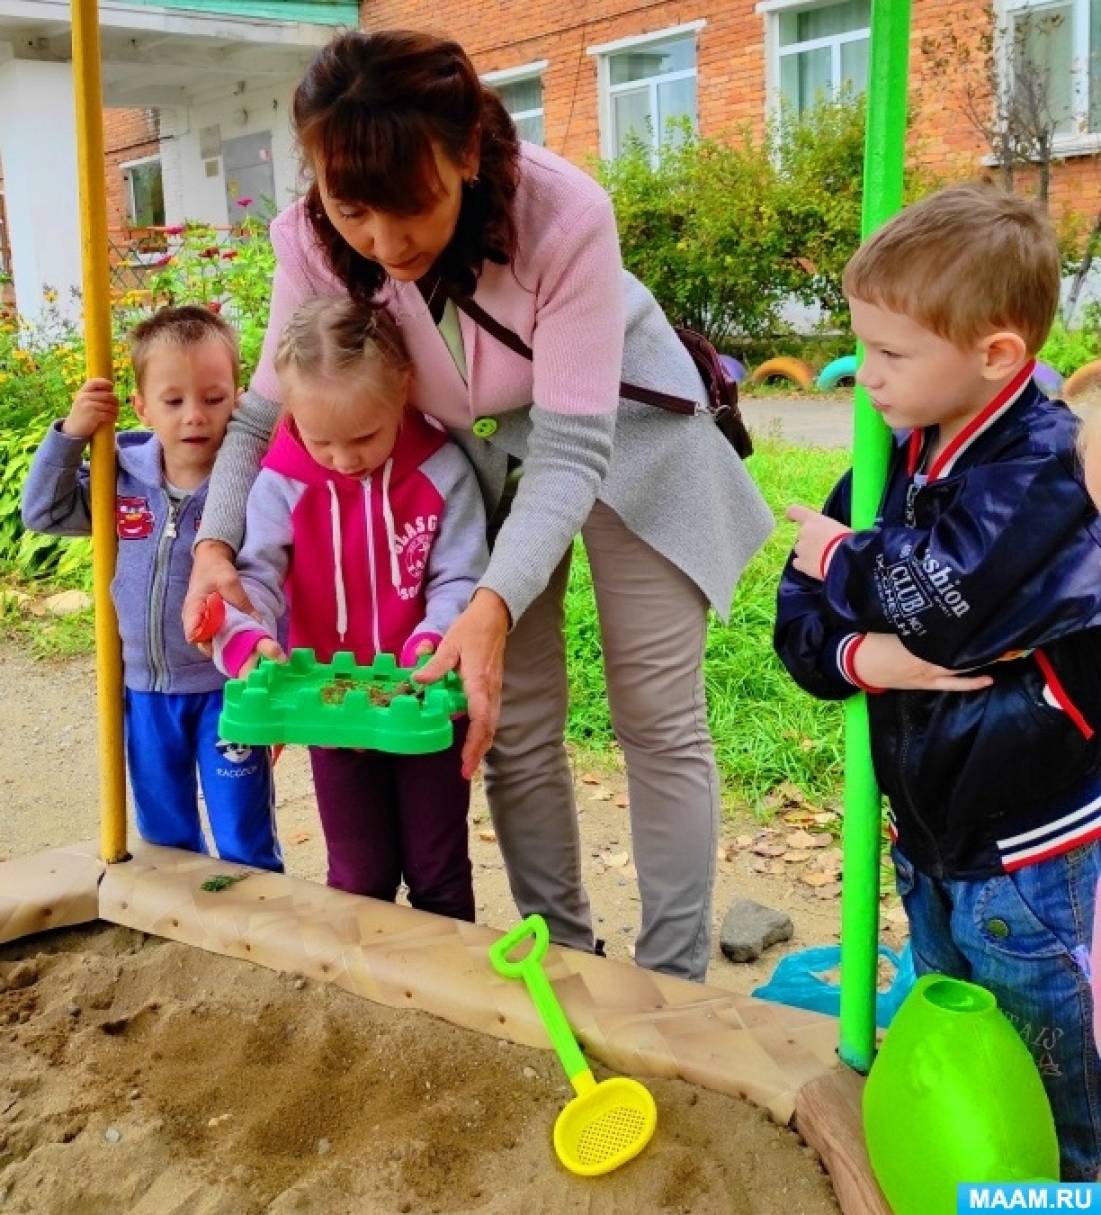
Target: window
[819,49]
[1053,51]
[644,84]
[144,192]
[521,89]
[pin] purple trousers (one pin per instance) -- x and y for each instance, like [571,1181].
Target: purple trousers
[392,817]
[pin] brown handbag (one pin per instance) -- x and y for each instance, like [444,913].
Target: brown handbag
[722,393]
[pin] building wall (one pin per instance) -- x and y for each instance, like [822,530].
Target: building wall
[945,140]
[732,72]
[127,135]
[188,192]
[729,60]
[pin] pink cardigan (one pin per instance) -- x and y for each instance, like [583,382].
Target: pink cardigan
[563,295]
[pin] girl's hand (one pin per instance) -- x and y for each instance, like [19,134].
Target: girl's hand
[818,535]
[94,404]
[475,647]
[422,648]
[882,661]
[264,649]
[212,570]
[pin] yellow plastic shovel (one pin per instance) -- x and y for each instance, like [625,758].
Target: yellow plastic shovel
[606,1124]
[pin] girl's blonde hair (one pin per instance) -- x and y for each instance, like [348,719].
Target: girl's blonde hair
[332,338]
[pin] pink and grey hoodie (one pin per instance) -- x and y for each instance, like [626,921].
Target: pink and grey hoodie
[373,564]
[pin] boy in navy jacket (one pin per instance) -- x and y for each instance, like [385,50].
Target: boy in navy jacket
[971,614]
[185,365]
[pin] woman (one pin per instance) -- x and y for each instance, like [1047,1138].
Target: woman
[421,194]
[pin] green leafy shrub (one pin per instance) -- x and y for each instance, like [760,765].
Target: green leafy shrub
[1068,349]
[723,231]
[701,228]
[820,191]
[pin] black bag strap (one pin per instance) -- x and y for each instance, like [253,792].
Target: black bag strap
[515,343]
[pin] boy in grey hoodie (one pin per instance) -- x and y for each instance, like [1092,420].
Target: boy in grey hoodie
[186,368]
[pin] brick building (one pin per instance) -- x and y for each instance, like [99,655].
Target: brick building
[131,143]
[579,76]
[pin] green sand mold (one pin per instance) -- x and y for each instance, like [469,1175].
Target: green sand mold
[331,704]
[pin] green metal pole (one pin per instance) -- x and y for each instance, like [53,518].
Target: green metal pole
[884,155]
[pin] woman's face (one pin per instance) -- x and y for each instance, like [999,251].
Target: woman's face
[405,246]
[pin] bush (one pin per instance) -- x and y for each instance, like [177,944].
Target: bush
[820,187]
[723,232]
[700,227]
[1068,349]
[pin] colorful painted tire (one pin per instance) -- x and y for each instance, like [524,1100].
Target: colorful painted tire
[841,373]
[1047,379]
[1087,376]
[784,369]
[734,369]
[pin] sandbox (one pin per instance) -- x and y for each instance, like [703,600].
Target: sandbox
[139,1071]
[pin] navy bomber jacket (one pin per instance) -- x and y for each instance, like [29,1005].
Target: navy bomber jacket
[988,561]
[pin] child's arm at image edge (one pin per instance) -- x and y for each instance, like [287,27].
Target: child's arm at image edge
[57,492]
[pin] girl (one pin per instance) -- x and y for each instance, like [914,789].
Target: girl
[366,526]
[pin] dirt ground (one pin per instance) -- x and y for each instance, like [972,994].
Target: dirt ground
[137,1075]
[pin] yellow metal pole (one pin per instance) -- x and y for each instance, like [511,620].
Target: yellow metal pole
[97,340]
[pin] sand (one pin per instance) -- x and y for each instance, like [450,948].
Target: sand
[138,1075]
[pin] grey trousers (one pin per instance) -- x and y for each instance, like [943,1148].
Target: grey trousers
[652,625]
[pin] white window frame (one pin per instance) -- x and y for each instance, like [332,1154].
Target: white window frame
[606,90]
[1082,142]
[124,167]
[770,10]
[514,75]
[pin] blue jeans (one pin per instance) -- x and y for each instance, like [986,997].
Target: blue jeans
[1017,935]
[172,739]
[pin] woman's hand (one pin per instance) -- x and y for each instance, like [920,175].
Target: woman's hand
[475,647]
[212,570]
[882,661]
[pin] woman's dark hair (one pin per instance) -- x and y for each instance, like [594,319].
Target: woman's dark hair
[367,111]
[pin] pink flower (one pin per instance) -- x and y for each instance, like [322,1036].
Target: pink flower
[244,202]
[210,251]
[214,306]
[229,255]
[175,230]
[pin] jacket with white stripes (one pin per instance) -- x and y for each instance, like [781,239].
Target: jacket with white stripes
[989,559]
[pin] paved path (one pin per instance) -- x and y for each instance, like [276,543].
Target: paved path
[821,423]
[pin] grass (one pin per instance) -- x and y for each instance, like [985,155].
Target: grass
[46,637]
[767,732]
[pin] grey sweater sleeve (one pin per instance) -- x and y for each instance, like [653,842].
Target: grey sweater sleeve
[57,493]
[566,462]
[238,462]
